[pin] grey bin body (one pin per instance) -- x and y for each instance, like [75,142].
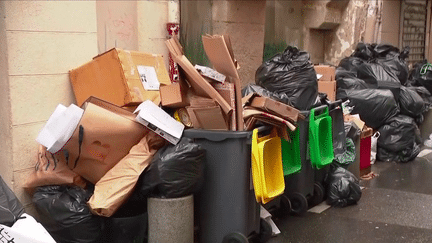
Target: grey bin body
[226,203]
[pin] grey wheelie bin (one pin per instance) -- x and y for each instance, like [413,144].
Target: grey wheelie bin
[226,207]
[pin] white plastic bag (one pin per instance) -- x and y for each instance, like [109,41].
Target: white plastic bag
[374,142]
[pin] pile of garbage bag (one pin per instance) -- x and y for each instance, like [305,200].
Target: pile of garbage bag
[376,81]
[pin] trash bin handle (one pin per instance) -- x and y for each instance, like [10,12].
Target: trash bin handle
[321,109]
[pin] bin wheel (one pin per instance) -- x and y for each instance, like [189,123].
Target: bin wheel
[235,237]
[318,194]
[266,231]
[285,206]
[299,203]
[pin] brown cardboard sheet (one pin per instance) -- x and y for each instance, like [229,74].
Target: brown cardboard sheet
[197,82]
[209,118]
[272,106]
[219,51]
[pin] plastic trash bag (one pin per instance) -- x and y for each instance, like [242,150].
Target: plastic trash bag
[10,207]
[352,83]
[375,106]
[175,171]
[348,67]
[397,140]
[383,55]
[421,75]
[292,73]
[65,214]
[253,88]
[348,156]
[411,103]
[343,188]
[380,77]
[374,144]
[424,93]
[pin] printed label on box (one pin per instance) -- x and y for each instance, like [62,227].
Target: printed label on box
[148,77]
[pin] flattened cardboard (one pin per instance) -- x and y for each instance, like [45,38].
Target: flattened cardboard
[116,186]
[113,76]
[174,95]
[219,51]
[209,118]
[227,90]
[197,82]
[250,111]
[329,88]
[328,72]
[272,106]
[356,120]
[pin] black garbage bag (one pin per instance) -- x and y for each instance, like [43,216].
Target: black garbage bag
[390,57]
[375,106]
[292,73]
[10,207]
[421,75]
[424,93]
[364,51]
[343,188]
[348,67]
[411,103]
[380,77]
[352,83]
[64,213]
[384,55]
[175,171]
[253,88]
[397,141]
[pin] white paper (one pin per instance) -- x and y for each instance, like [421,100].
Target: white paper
[211,73]
[25,231]
[159,121]
[60,127]
[319,76]
[29,226]
[148,77]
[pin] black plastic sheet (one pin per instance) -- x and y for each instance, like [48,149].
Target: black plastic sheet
[292,73]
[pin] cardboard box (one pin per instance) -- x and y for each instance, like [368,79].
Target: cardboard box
[328,72]
[329,88]
[105,134]
[120,77]
[174,95]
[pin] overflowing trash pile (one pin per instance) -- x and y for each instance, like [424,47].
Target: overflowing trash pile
[304,133]
[376,81]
